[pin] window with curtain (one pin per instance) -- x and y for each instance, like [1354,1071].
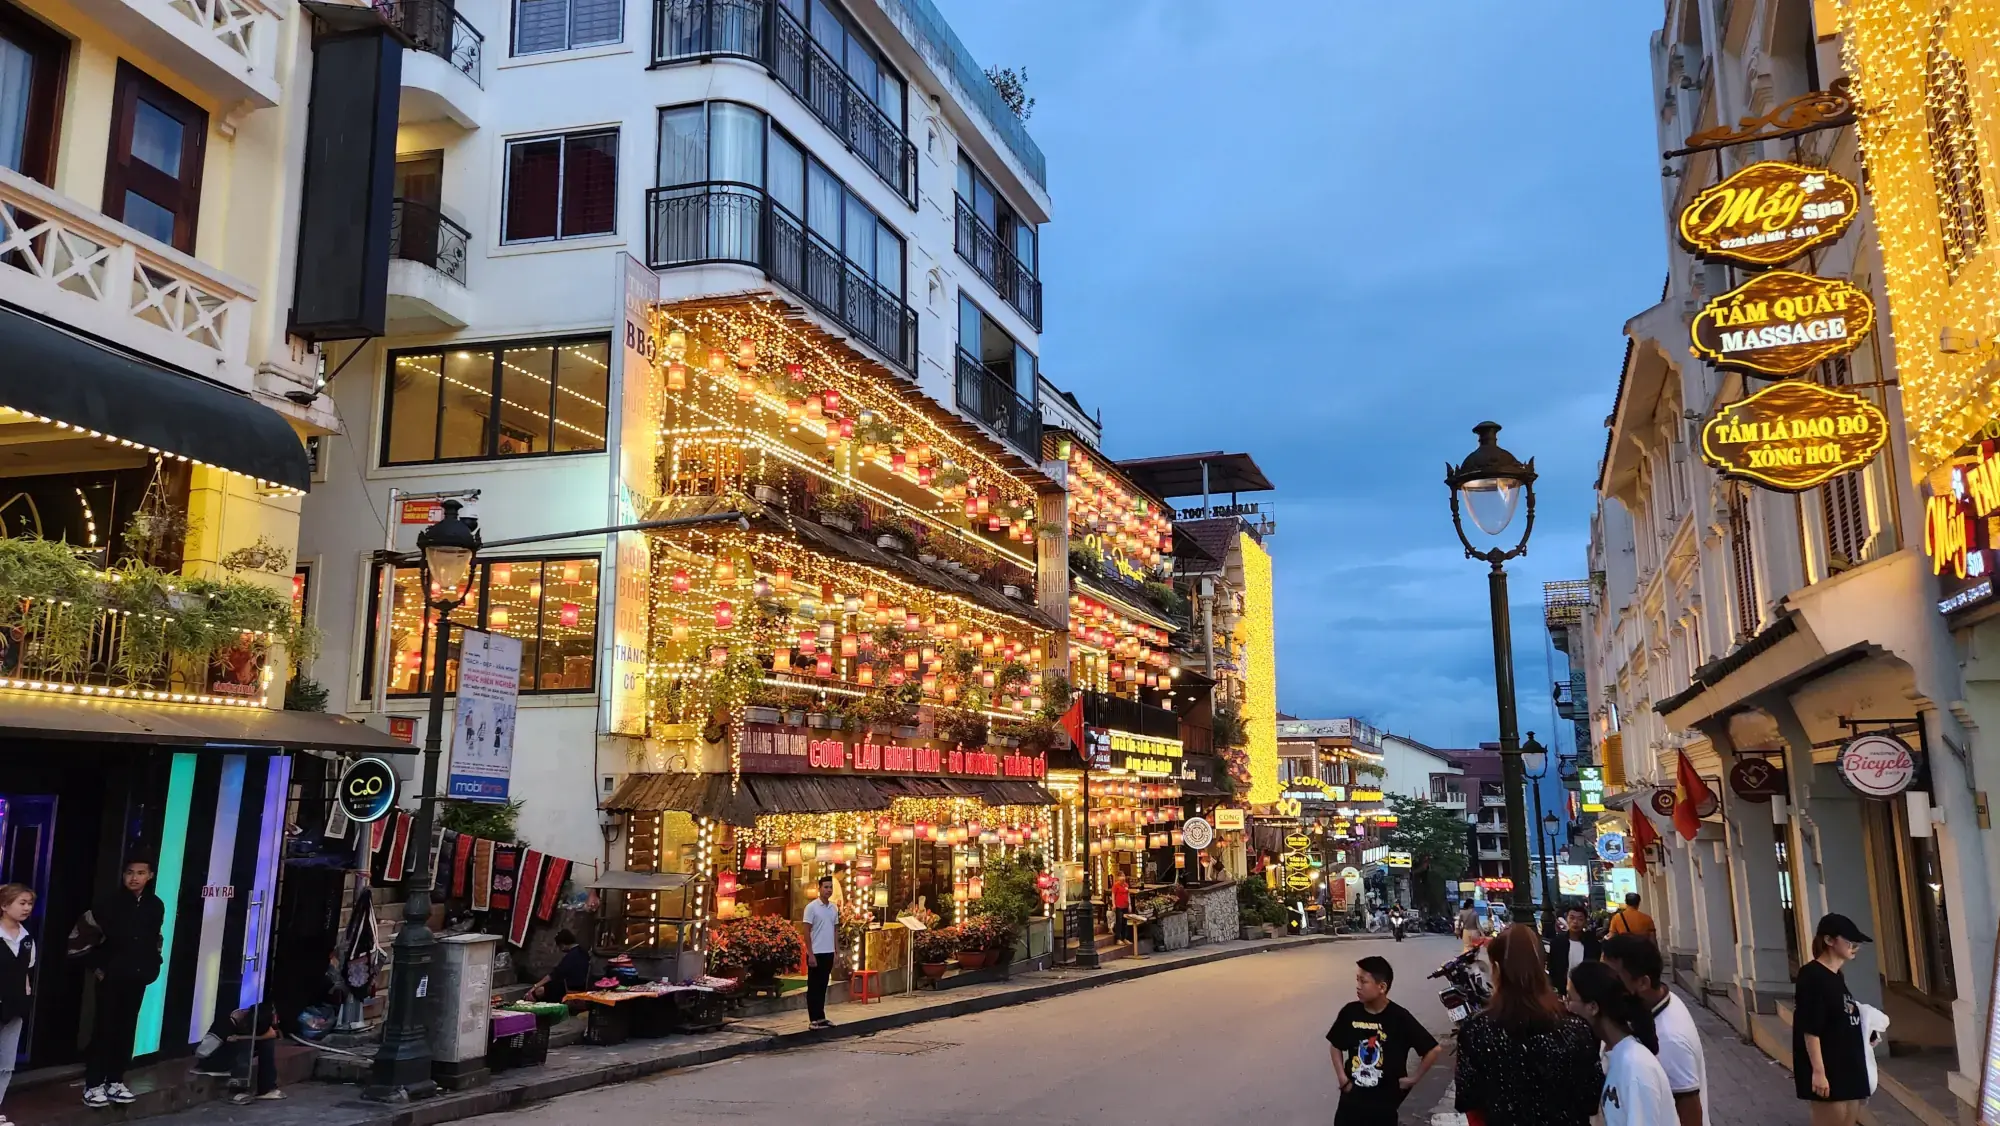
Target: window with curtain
[851,51]
[477,401]
[981,338]
[541,26]
[549,604]
[33,58]
[562,186]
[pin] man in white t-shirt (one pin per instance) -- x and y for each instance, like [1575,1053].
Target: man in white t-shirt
[823,918]
[1637,961]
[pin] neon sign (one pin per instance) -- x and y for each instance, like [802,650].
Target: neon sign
[1792,436]
[1782,323]
[1768,213]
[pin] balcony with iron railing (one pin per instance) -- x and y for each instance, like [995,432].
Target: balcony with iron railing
[991,258]
[1565,700]
[427,254]
[993,401]
[441,77]
[720,222]
[1115,713]
[763,32]
[1448,799]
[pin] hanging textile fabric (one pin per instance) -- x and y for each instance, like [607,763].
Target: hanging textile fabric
[461,867]
[527,884]
[482,874]
[506,868]
[554,874]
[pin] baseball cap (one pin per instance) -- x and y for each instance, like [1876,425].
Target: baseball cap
[1840,926]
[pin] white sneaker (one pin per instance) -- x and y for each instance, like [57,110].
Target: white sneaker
[94,1096]
[119,1093]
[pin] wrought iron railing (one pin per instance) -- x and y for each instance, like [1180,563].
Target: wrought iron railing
[990,256]
[993,401]
[1115,713]
[420,233]
[435,27]
[717,221]
[129,654]
[699,30]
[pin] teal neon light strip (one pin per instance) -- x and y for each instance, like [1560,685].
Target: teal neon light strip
[173,844]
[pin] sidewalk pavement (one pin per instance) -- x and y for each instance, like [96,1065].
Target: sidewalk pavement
[579,1068]
[1745,1086]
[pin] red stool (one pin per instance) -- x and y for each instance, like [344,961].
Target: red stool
[864,986]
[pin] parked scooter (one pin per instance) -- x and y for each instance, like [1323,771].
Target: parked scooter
[1465,991]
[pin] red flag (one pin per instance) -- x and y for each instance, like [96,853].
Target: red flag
[1696,799]
[1072,723]
[1643,834]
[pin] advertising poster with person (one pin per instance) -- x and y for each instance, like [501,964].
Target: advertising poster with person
[482,746]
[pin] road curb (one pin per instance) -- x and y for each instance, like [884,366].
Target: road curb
[492,1100]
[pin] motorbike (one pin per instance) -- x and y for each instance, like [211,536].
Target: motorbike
[1465,991]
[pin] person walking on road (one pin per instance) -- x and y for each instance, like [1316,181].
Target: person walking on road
[1570,947]
[1636,1091]
[1829,1044]
[1376,1035]
[1638,964]
[126,957]
[1468,925]
[1630,920]
[1526,1060]
[823,919]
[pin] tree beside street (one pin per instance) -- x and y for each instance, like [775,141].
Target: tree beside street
[1435,839]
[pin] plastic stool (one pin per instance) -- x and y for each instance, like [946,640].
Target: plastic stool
[864,986]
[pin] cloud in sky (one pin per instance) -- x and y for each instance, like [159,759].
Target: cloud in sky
[1337,235]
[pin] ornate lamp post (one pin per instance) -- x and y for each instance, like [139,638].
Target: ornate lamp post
[1535,766]
[1488,486]
[403,1063]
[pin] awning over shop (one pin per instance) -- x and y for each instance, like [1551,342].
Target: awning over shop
[1786,653]
[62,377]
[708,795]
[40,715]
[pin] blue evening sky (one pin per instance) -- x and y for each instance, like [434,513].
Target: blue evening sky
[1336,234]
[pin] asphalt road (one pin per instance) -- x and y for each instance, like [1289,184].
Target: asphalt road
[1239,1040]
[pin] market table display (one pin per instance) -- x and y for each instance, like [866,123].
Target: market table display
[651,1009]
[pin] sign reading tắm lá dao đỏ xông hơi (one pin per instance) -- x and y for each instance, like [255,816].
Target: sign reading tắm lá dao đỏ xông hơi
[1794,435]
[1768,213]
[1782,323]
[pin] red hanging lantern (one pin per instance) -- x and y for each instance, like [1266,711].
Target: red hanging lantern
[832,399]
[679,582]
[570,614]
[823,665]
[725,615]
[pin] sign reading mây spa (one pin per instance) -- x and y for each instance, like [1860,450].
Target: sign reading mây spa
[1782,323]
[1768,213]
[1794,435]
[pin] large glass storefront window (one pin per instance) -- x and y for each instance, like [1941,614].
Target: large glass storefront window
[550,604]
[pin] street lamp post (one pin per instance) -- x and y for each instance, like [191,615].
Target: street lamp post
[1550,824]
[1535,765]
[403,1063]
[1488,485]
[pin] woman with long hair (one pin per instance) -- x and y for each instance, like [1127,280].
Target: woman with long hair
[17,976]
[1526,1060]
[1829,1045]
[1636,1091]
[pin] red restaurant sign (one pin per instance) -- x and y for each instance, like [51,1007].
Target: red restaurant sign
[796,750]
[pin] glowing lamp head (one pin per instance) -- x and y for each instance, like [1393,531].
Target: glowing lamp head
[448,547]
[1488,485]
[680,582]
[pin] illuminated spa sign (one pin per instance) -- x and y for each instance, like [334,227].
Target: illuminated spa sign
[1958,533]
[1782,323]
[795,750]
[1794,435]
[1768,213]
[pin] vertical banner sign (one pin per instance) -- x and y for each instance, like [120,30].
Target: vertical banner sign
[635,453]
[482,742]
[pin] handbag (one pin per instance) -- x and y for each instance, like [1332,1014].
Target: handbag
[84,938]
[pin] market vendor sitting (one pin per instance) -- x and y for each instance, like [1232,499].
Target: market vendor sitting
[571,975]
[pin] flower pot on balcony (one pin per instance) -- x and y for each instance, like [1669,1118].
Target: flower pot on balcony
[837,522]
[766,494]
[906,731]
[757,714]
[818,719]
[796,717]
[927,557]
[888,542]
[1011,591]
[970,959]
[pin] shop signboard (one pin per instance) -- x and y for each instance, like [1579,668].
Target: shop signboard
[1298,841]
[482,743]
[1757,780]
[367,790]
[1144,755]
[1611,847]
[1397,858]
[1768,213]
[772,749]
[1662,800]
[1960,531]
[1794,435]
[1782,323]
[1228,818]
[1876,765]
[1590,788]
[1297,862]
[1299,881]
[1350,873]
[1365,795]
[1573,879]
[1619,883]
[634,448]
[1306,788]
[1197,833]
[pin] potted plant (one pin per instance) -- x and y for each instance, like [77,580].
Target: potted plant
[933,950]
[839,509]
[760,946]
[894,533]
[965,945]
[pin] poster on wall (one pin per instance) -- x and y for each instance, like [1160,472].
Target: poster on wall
[1573,880]
[1618,883]
[482,742]
[634,453]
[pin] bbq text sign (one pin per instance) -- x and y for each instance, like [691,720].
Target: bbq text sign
[1794,435]
[1782,323]
[1768,213]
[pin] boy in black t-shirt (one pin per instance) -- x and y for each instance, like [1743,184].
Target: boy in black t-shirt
[1376,1035]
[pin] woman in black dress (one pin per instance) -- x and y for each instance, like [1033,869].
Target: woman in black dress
[1526,1060]
[1829,1045]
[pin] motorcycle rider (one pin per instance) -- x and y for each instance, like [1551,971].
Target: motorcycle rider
[1396,920]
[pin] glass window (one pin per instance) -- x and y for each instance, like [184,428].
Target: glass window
[888,259]
[33,58]
[788,174]
[861,235]
[861,67]
[826,28]
[561,25]
[516,400]
[683,146]
[590,184]
[569,626]
[514,608]
[157,137]
[561,187]
[735,143]
[825,203]
[549,604]
[152,178]
[534,184]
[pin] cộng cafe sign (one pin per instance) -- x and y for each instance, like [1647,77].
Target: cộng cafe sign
[1768,213]
[1791,436]
[1782,323]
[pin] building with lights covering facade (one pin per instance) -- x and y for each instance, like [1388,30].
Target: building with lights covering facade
[1776,657]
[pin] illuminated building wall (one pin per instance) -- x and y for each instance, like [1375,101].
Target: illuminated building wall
[1923,75]
[1257,634]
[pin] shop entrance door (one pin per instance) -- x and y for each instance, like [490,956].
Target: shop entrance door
[27,846]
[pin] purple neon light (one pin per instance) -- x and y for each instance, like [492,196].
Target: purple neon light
[264,895]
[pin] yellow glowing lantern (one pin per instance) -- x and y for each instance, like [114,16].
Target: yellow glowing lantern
[572,572]
[725,570]
[503,574]
[498,617]
[746,353]
[680,629]
[677,376]
[865,675]
[849,645]
[717,360]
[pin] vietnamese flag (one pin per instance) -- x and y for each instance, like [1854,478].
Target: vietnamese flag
[1643,834]
[1696,799]
[1072,723]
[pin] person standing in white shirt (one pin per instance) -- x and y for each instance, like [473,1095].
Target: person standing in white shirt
[823,918]
[17,973]
[1636,1092]
[1638,964]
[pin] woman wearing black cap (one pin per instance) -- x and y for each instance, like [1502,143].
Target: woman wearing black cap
[1829,1045]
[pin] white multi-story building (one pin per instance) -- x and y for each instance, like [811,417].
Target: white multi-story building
[1729,622]
[850,164]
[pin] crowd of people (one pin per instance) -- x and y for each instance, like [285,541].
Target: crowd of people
[1585,1025]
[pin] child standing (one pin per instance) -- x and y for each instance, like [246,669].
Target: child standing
[1376,1036]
